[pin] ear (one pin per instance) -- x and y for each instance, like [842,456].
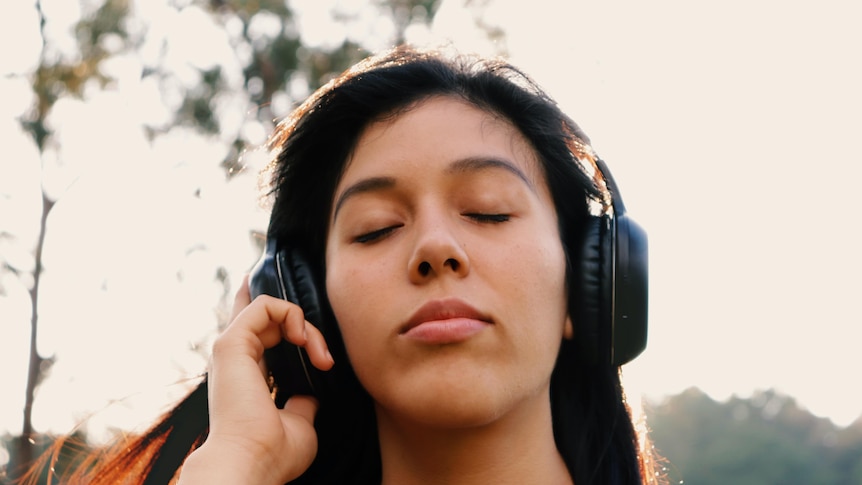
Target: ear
[568,329]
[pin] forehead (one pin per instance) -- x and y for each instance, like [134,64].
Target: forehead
[435,133]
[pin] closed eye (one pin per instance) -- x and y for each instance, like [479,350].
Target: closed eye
[489,218]
[375,235]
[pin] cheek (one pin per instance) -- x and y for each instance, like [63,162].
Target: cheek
[540,281]
[540,260]
[357,297]
[344,289]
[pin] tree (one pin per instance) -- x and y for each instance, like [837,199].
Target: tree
[767,438]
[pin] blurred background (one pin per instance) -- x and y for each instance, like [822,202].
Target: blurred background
[129,203]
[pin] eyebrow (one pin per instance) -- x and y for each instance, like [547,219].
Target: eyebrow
[464,165]
[365,185]
[478,164]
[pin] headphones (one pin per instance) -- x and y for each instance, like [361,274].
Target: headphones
[612,284]
[610,291]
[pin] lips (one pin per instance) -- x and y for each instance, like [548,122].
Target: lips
[445,321]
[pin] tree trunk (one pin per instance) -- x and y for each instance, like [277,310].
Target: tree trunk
[26,443]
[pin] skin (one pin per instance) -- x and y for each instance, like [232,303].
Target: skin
[444,203]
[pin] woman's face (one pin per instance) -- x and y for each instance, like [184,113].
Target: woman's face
[444,266]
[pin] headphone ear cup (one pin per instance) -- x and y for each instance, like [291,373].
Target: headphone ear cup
[285,273]
[630,291]
[612,292]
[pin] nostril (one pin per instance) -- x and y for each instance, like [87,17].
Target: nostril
[424,268]
[454,264]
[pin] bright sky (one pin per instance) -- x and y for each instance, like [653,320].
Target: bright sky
[731,128]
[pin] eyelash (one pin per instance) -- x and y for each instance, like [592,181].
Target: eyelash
[374,235]
[489,218]
[482,218]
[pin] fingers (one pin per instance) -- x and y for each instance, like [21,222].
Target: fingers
[238,389]
[237,355]
[263,324]
[243,415]
[287,317]
[316,348]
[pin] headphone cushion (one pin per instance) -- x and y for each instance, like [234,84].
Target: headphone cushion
[299,284]
[590,287]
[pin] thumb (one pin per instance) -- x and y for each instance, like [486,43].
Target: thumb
[298,417]
[303,406]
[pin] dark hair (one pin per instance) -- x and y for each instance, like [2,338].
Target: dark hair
[592,424]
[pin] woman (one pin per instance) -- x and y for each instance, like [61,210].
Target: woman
[449,213]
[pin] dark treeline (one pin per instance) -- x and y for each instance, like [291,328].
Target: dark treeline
[765,439]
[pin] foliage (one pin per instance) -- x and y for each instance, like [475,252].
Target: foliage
[766,439]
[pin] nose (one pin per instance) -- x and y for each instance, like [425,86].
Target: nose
[437,252]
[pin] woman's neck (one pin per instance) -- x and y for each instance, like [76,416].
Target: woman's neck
[517,448]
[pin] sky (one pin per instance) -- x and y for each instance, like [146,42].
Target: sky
[731,128]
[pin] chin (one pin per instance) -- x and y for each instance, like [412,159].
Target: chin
[460,402]
[429,411]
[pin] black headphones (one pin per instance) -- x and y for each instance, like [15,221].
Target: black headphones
[611,291]
[612,284]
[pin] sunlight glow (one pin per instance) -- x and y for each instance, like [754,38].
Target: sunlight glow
[711,136]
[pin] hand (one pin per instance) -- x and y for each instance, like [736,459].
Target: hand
[250,440]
